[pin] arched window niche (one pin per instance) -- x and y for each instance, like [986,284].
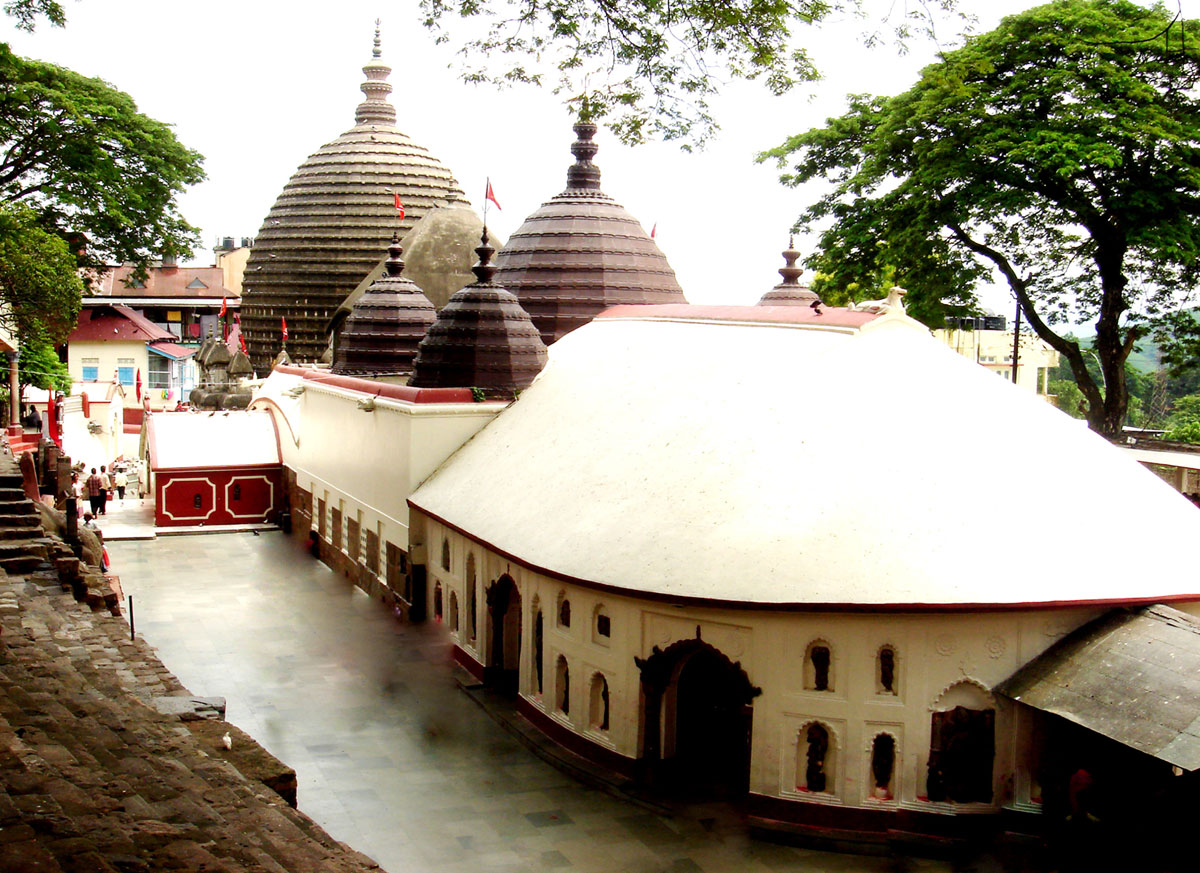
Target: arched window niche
[445,553]
[562,686]
[453,611]
[887,671]
[962,745]
[564,611]
[437,601]
[472,600]
[818,666]
[883,760]
[816,759]
[598,703]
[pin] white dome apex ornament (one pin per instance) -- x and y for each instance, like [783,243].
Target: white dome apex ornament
[892,313]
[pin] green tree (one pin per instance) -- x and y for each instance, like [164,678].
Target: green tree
[1068,397]
[646,66]
[1060,150]
[39,282]
[40,367]
[26,12]
[92,168]
[1184,423]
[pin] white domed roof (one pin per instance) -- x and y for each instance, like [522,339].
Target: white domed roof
[807,466]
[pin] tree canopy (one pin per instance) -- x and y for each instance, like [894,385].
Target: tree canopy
[1061,150]
[38,279]
[648,68]
[26,12]
[91,167]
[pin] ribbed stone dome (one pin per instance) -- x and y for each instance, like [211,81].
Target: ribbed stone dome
[581,252]
[790,292]
[335,214]
[482,339]
[381,334]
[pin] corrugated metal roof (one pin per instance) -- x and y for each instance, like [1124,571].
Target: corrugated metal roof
[1132,676]
[174,351]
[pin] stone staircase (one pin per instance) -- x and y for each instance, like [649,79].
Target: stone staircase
[23,544]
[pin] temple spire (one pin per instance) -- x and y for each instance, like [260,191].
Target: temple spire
[790,272]
[583,174]
[485,269]
[376,109]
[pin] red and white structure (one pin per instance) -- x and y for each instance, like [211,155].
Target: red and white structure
[214,469]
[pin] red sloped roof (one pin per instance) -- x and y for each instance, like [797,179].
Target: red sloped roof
[165,282]
[173,350]
[116,322]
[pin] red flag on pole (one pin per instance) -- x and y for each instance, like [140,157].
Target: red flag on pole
[139,384]
[491,195]
[283,321]
[222,306]
[654,230]
[399,205]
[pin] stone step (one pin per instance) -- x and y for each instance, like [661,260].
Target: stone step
[11,493]
[21,563]
[25,531]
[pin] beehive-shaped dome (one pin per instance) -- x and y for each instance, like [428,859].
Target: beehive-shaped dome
[482,339]
[790,292]
[581,252]
[386,325]
[335,214]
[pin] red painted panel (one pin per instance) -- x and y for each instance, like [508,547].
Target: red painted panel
[214,497]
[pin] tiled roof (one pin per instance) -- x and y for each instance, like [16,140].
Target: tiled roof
[116,322]
[164,282]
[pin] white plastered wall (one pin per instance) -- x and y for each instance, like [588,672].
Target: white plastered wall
[941,657]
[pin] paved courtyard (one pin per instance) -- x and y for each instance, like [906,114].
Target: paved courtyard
[391,756]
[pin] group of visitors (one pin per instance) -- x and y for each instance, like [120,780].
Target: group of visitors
[104,485]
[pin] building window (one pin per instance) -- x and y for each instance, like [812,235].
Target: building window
[237,491]
[603,626]
[885,671]
[472,623]
[91,369]
[564,611]
[818,663]
[454,611]
[598,715]
[445,554]
[563,686]
[392,570]
[353,546]
[373,552]
[815,760]
[125,371]
[159,375]
[538,653]
[883,765]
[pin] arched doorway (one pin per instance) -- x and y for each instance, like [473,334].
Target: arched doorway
[697,717]
[504,635]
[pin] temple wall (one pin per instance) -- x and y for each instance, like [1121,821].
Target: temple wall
[942,660]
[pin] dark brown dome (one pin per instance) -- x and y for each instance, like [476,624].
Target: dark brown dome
[332,219]
[581,252]
[790,292]
[482,339]
[382,332]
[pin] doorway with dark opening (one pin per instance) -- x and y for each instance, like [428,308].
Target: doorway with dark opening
[697,720]
[504,635]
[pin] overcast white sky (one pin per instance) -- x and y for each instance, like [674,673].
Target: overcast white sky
[256,86]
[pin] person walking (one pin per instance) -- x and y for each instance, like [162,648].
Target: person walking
[106,486]
[119,482]
[95,487]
